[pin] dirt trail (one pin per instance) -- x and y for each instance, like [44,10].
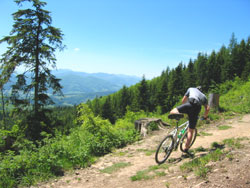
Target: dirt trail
[135,154]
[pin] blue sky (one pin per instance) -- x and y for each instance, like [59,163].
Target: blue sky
[138,37]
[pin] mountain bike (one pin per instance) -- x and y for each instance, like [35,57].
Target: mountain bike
[171,142]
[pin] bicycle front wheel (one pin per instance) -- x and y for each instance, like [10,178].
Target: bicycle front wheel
[164,149]
[183,140]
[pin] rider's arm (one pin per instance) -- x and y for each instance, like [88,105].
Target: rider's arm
[184,99]
[207,108]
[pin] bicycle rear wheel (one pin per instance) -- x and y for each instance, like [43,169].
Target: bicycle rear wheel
[183,140]
[164,149]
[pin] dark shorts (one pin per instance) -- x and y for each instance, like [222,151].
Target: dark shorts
[192,110]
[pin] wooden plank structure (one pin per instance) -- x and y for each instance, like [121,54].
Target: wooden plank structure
[141,125]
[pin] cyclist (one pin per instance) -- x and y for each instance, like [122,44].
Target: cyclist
[191,105]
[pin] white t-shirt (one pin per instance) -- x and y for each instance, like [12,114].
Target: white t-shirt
[197,95]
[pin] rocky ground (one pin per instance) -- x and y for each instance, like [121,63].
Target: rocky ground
[123,167]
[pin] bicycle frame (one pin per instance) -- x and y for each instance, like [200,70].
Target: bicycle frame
[176,130]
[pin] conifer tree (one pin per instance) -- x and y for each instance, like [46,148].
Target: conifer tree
[246,71]
[190,76]
[152,103]
[241,58]
[223,59]
[124,101]
[32,45]
[214,69]
[143,94]
[163,94]
[107,112]
[202,71]
[135,106]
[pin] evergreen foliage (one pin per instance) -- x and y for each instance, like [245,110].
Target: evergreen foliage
[162,93]
[32,44]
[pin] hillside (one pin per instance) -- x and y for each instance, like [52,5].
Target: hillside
[80,86]
[230,171]
[81,82]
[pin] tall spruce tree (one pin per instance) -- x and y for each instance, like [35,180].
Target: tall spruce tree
[245,73]
[214,69]
[107,111]
[143,99]
[223,59]
[242,60]
[32,45]
[162,94]
[202,71]
[190,76]
[124,101]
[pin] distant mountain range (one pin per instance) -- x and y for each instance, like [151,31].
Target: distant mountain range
[75,82]
[80,86]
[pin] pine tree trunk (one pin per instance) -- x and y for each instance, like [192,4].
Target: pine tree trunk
[3,108]
[36,98]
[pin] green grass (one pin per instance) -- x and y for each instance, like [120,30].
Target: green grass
[224,127]
[230,156]
[115,167]
[216,145]
[147,152]
[237,99]
[120,154]
[167,184]
[214,115]
[200,149]
[150,173]
[199,165]
[233,143]
[205,134]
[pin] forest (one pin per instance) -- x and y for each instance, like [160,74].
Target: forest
[40,141]
[161,93]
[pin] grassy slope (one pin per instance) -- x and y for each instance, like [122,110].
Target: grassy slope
[237,99]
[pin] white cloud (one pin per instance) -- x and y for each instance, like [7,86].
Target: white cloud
[77,49]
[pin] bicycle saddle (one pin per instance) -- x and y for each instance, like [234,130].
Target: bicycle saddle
[175,116]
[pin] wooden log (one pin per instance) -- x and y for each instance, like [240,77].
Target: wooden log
[141,125]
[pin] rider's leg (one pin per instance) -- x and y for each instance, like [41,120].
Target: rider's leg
[189,138]
[193,117]
[174,111]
